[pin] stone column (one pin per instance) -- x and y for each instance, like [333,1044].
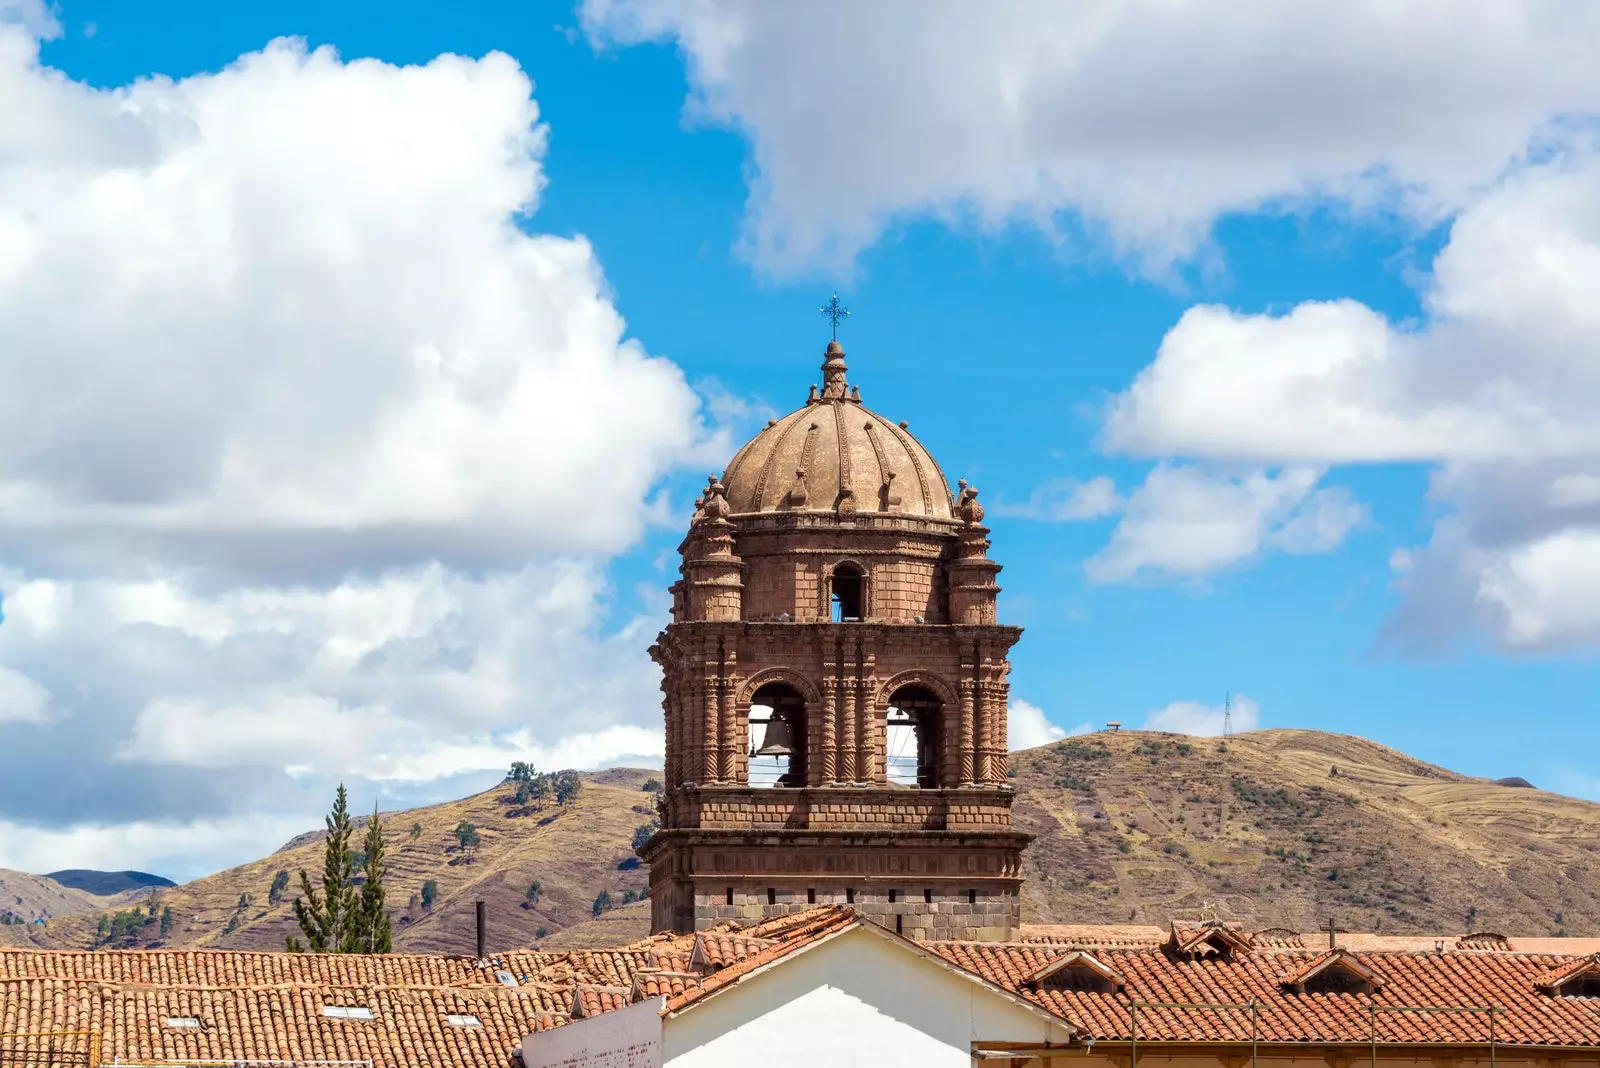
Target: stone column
[672,770]
[829,766]
[708,722]
[965,741]
[866,720]
[727,726]
[848,739]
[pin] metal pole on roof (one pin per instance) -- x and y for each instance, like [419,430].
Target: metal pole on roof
[1133,1033]
[1253,1034]
[1491,1034]
[1372,1017]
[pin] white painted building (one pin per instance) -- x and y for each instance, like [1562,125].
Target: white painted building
[855,996]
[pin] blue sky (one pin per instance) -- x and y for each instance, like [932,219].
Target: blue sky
[1013,270]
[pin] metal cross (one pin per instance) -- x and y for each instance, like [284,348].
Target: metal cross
[835,313]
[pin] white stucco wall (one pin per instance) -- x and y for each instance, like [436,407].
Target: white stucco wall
[625,1038]
[854,1000]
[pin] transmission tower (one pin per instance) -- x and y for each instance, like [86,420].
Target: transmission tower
[1227,716]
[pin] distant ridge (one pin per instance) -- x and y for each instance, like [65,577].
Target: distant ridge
[107,883]
[1287,829]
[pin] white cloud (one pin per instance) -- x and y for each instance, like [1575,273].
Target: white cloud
[22,700]
[1498,387]
[312,454]
[178,850]
[1147,119]
[1203,720]
[311,332]
[1067,500]
[1185,521]
[1027,726]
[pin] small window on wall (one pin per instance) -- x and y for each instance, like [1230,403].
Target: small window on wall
[848,594]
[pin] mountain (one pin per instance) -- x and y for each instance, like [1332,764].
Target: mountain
[1291,828]
[575,852]
[25,898]
[107,883]
[1279,828]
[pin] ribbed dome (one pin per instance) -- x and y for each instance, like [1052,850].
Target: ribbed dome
[836,455]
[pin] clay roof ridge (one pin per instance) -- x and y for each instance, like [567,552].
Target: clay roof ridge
[830,923]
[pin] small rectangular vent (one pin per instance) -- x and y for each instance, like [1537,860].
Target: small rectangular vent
[347,1012]
[187,1022]
[463,1019]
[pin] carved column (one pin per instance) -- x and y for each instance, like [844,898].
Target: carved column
[829,771]
[866,720]
[708,722]
[848,768]
[673,767]
[965,739]
[727,725]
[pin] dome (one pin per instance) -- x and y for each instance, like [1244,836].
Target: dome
[836,455]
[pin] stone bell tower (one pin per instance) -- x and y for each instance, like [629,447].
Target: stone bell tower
[835,688]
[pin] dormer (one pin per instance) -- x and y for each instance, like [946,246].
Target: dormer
[1580,979]
[592,999]
[1078,970]
[1214,940]
[1337,971]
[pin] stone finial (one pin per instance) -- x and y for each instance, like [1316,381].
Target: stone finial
[833,369]
[714,505]
[967,506]
[812,399]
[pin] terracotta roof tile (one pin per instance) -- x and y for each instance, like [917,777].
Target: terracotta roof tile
[1525,1013]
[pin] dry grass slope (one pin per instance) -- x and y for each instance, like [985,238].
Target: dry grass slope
[1132,827]
[1292,828]
[574,853]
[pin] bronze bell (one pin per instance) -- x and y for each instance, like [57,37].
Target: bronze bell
[779,739]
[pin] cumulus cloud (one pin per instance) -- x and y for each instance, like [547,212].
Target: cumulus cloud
[1067,500]
[1498,387]
[1145,121]
[312,454]
[280,318]
[1028,727]
[1186,521]
[1203,720]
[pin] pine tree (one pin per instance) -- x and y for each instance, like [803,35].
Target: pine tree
[328,919]
[374,932]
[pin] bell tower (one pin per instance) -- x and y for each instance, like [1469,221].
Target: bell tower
[834,685]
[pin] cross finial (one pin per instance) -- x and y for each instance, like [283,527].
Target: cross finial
[835,313]
[1332,934]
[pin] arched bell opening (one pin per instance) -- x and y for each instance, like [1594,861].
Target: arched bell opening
[777,736]
[911,737]
[847,594]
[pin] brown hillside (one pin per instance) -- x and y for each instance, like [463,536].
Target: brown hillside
[1137,826]
[25,898]
[1132,827]
[574,853]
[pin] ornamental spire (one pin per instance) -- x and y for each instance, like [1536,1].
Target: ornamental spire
[833,365]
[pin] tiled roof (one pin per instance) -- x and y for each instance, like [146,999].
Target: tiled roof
[1333,958]
[1525,1013]
[812,926]
[589,1000]
[409,1025]
[270,1005]
[1559,976]
[1076,959]
[661,985]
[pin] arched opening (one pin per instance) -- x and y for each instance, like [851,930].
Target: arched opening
[911,742]
[848,594]
[777,736]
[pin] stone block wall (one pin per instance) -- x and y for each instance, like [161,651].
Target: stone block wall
[926,909]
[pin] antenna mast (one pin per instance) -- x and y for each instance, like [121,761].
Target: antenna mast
[1227,715]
